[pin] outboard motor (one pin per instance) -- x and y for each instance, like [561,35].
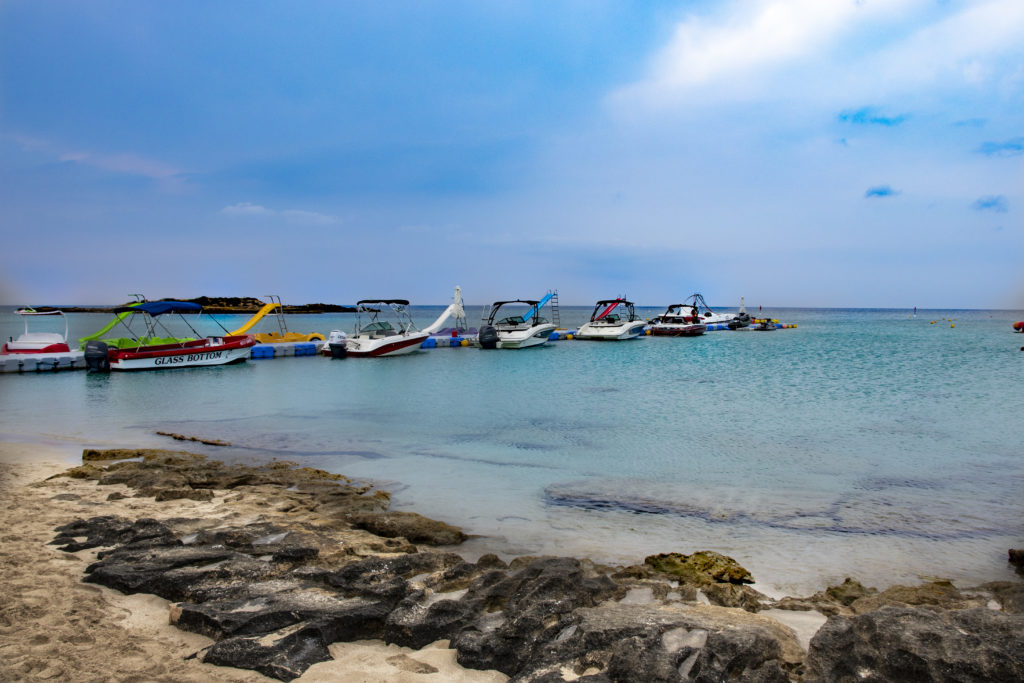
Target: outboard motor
[488,337]
[96,356]
[336,341]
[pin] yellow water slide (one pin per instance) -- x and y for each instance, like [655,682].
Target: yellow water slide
[267,308]
[275,337]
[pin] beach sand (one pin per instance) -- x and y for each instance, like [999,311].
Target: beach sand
[55,627]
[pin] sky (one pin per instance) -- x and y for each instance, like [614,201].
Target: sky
[832,153]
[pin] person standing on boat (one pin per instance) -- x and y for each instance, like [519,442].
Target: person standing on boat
[695,313]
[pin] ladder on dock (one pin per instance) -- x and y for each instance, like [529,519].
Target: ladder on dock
[555,317]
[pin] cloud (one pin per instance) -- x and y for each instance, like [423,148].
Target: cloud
[1010,148]
[295,216]
[822,51]
[170,177]
[870,116]
[880,191]
[995,203]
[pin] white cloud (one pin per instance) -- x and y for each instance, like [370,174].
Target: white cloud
[824,50]
[170,177]
[246,209]
[294,216]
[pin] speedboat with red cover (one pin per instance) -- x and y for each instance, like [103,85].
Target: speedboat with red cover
[38,342]
[216,350]
[612,319]
[376,337]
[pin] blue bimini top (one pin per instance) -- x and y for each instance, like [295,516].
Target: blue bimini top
[156,308]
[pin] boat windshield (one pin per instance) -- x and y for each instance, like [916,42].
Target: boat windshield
[613,312]
[519,313]
[370,311]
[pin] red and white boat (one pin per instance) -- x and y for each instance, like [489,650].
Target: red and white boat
[38,342]
[100,357]
[376,338]
[612,319]
[678,320]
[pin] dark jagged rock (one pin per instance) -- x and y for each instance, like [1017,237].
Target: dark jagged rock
[111,530]
[416,623]
[256,614]
[908,644]
[283,654]
[172,573]
[410,525]
[385,578]
[535,602]
[1016,558]
[629,643]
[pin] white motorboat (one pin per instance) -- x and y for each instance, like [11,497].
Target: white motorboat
[38,342]
[375,337]
[702,313]
[520,331]
[678,320]
[612,319]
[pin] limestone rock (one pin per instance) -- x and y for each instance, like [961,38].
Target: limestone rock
[918,644]
[701,568]
[410,525]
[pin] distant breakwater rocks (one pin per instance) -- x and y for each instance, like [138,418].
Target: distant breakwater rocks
[287,560]
[221,305]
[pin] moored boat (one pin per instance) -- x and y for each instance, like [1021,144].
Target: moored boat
[516,331]
[612,319]
[198,352]
[678,320]
[38,342]
[377,337]
[703,313]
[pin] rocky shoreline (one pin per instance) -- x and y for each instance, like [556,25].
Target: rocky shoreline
[220,305]
[297,559]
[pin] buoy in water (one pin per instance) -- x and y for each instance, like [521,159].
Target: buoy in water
[1018,326]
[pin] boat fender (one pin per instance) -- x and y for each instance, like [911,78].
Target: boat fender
[488,337]
[97,356]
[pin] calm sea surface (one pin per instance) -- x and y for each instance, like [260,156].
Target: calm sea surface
[865,443]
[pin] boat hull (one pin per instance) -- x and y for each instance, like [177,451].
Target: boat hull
[200,353]
[610,332]
[678,330]
[524,339]
[396,345]
[34,347]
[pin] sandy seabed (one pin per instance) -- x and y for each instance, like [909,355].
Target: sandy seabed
[55,627]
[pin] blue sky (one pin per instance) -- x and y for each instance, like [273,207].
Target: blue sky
[794,152]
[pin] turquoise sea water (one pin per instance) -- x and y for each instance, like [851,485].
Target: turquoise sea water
[865,442]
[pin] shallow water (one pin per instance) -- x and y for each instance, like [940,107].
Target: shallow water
[865,442]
